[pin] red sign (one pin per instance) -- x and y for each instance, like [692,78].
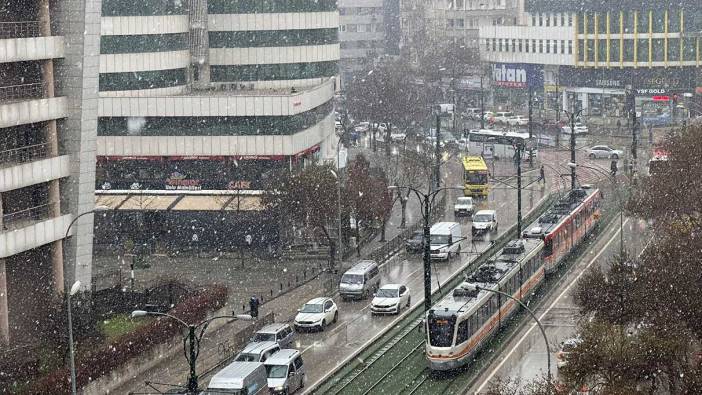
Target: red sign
[661,98]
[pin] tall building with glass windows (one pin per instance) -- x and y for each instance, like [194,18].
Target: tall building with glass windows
[48,112]
[595,52]
[214,94]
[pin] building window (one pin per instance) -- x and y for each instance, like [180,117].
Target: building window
[520,46]
[251,7]
[526,45]
[570,47]
[548,19]
[500,44]
[514,45]
[673,49]
[137,43]
[570,19]
[494,45]
[273,72]
[562,47]
[658,50]
[674,21]
[548,46]
[272,38]
[563,20]
[642,50]
[541,20]
[541,46]
[642,19]
[533,20]
[460,23]
[141,80]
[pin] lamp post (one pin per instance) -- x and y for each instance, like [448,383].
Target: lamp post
[619,197]
[191,342]
[69,293]
[478,288]
[427,200]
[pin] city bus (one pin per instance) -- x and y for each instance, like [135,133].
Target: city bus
[475,176]
[494,144]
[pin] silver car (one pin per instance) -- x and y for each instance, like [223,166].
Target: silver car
[603,151]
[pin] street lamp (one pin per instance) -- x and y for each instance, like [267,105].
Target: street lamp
[427,200]
[572,116]
[477,288]
[191,342]
[68,293]
[619,197]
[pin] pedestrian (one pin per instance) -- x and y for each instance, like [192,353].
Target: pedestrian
[253,306]
[248,240]
[613,167]
[619,126]
[542,175]
[650,134]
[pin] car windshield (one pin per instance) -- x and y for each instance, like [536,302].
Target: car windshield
[264,337]
[277,371]
[439,239]
[441,332]
[245,357]
[312,308]
[476,178]
[482,218]
[352,279]
[464,200]
[387,293]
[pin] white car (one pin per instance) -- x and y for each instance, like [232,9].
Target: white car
[362,127]
[463,206]
[579,128]
[484,221]
[397,135]
[316,314]
[518,120]
[566,348]
[603,151]
[391,298]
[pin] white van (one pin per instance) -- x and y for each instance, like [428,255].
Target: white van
[257,351]
[360,281]
[239,378]
[445,239]
[286,372]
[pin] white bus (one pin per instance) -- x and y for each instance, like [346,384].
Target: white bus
[493,144]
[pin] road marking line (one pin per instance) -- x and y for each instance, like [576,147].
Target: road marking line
[548,310]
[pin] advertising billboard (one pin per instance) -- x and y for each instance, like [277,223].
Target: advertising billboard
[518,75]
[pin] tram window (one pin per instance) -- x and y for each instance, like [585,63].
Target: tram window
[548,248]
[463,332]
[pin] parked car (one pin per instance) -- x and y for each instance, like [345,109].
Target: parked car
[280,333]
[463,206]
[316,314]
[484,221]
[390,298]
[579,129]
[567,347]
[518,120]
[603,151]
[397,135]
[415,244]
[503,116]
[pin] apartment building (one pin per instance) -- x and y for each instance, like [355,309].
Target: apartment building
[48,114]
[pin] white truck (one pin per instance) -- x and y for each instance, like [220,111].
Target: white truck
[445,240]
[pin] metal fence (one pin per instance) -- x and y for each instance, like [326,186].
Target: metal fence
[19,219]
[23,154]
[34,90]
[20,29]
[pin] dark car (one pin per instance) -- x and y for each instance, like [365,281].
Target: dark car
[415,244]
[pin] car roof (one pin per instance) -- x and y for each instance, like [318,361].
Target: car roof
[485,212]
[258,347]
[272,328]
[233,374]
[391,286]
[282,357]
[319,300]
[361,267]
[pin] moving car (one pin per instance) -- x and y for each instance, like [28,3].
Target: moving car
[280,333]
[503,116]
[603,151]
[445,239]
[484,221]
[463,206]
[391,298]
[239,378]
[579,128]
[286,372]
[316,314]
[415,244]
[360,281]
[518,120]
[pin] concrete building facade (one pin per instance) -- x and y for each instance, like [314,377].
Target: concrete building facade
[214,94]
[48,122]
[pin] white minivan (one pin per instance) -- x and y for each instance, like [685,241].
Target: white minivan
[360,281]
[445,239]
[239,378]
[286,372]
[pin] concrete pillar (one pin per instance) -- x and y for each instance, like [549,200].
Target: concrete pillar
[4,312]
[44,18]
[57,275]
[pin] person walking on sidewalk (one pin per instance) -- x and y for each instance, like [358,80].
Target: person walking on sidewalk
[253,306]
[613,167]
[542,175]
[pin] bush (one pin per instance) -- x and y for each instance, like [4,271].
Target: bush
[96,363]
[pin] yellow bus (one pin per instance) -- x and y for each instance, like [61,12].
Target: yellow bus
[475,176]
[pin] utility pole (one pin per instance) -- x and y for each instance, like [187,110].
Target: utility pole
[572,116]
[482,105]
[531,152]
[519,189]
[427,256]
[192,378]
[634,137]
[437,172]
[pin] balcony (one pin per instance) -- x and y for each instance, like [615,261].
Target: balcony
[31,166]
[30,228]
[23,218]
[26,103]
[23,41]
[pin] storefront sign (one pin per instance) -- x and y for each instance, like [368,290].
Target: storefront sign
[179,181]
[643,81]
[517,75]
